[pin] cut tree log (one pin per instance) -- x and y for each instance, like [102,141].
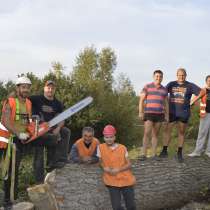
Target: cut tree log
[42,196]
[164,184]
[22,206]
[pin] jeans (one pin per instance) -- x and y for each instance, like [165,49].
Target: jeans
[57,149]
[203,133]
[128,195]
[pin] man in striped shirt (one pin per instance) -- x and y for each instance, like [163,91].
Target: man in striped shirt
[153,109]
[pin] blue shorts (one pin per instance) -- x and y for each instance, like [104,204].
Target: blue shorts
[174,118]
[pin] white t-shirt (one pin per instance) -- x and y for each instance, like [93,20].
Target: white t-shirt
[113,147]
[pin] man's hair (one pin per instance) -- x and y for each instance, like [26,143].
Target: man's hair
[182,70]
[158,72]
[88,129]
[207,77]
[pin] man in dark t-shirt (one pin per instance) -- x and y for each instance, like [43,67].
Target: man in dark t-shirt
[56,141]
[180,93]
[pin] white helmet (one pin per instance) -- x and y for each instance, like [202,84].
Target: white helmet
[23,80]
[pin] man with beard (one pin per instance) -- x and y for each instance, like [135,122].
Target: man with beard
[16,113]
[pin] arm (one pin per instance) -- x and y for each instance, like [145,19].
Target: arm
[126,167]
[166,109]
[7,122]
[196,98]
[141,105]
[61,124]
[94,158]
[74,155]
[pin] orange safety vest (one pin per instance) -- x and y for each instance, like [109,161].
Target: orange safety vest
[14,105]
[203,103]
[116,159]
[83,150]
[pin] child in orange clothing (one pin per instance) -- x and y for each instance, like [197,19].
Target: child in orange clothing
[117,174]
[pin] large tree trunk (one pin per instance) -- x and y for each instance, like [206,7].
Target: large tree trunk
[162,184]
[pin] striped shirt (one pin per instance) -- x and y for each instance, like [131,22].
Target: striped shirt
[155,96]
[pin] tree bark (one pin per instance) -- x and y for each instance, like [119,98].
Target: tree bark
[162,184]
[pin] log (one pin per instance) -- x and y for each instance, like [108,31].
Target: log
[164,184]
[42,195]
[22,206]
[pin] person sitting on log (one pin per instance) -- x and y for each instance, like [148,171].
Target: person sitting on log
[117,176]
[84,149]
[204,128]
[153,110]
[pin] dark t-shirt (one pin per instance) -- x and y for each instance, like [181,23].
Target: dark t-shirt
[208,100]
[46,109]
[179,97]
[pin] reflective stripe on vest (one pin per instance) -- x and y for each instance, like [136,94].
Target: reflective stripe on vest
[17,113]
[203,104]
[4,137]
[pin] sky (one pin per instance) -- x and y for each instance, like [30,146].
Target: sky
[145,35]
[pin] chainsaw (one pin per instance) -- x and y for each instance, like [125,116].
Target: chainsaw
[36,130]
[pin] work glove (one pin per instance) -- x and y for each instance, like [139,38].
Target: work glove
[23,136]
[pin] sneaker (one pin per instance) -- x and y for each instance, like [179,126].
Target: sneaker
[163,154]
[208,154]
[194,154]
[180,158]
[142,158]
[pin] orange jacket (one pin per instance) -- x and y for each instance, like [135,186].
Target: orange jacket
[4,133]
[83,150]
[116,159]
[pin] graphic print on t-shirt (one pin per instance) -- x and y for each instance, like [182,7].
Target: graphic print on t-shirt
[178,94]
[48,109]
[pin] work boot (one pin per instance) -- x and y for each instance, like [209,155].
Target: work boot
[163,154]
[57,165]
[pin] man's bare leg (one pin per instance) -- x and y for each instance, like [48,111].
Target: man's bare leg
[147,132]
[167,129]
[181,127]
[155,132]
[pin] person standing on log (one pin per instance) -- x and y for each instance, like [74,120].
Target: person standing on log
[204,128]
[117,170]
[56,141]
[84,149]
[16,113]
[180,93]
[153,110]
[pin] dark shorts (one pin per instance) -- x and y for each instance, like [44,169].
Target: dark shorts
[173,118]
[154,117]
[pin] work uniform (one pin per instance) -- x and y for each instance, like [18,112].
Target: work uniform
[122,183]
[80,149]
[20,115]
